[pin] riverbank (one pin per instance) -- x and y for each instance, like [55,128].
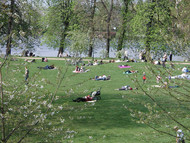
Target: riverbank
[60,59]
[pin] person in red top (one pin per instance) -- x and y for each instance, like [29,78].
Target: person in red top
[144,77]
[88,98]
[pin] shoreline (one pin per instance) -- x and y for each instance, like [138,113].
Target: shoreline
[64,58]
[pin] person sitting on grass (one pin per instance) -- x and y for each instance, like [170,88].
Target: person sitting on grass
[95,63]
[185,70]
[101,62]
[89,63]
[80,70]
[158,78]
[45,60]
[77,69]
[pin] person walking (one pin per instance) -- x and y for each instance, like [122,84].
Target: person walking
[26,74]
[144,77]
[180,135]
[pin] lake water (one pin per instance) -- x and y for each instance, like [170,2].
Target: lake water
[44,51]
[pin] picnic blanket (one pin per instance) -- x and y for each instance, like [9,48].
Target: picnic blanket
[123,66]
[81,71]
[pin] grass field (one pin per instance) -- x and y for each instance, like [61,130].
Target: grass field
[107,120]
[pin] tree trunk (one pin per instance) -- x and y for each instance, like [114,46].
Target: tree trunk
[66,23]
[121,39]
[9,32]
[123,26]
[109,13]
[90,49]
[2,110]
[108,39]
[92,34]
[149,31]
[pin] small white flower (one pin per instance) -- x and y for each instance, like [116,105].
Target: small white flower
[30,101]
[62,120]
[52,113]
[60,107]
[45,102]
[50,105]
[11,97]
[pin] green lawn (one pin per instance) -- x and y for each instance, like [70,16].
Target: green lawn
[107,120]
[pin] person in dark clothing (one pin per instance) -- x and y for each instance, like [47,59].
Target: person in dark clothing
[47,67]
[83,99]
[170,56]
[26,73]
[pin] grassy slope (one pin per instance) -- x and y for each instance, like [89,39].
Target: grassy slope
[106,121]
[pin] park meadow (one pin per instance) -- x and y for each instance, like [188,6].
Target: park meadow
[119,117]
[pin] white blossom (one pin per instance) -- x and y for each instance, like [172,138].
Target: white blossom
[60,107]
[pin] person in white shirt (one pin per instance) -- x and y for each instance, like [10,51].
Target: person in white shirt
[125,55]
[165,57]
[180,135]
[185,70]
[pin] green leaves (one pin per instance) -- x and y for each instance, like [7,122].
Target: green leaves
[79,42]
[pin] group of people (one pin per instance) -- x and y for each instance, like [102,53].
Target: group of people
[79,70]
[45,59]
[165,57]
[28,53]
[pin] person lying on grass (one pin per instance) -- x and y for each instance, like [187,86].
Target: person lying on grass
[123,65]
[30,61]
[85,99]
[126,87]
[103,77]
[47,67]
[129,72]
[165,85]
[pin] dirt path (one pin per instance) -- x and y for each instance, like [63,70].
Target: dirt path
[62,59]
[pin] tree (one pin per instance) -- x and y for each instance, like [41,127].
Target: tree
[122,31]
[58,18]
[18,25]
[109,14]
[92,28]
[86,12]
[153,24]
[79,42]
